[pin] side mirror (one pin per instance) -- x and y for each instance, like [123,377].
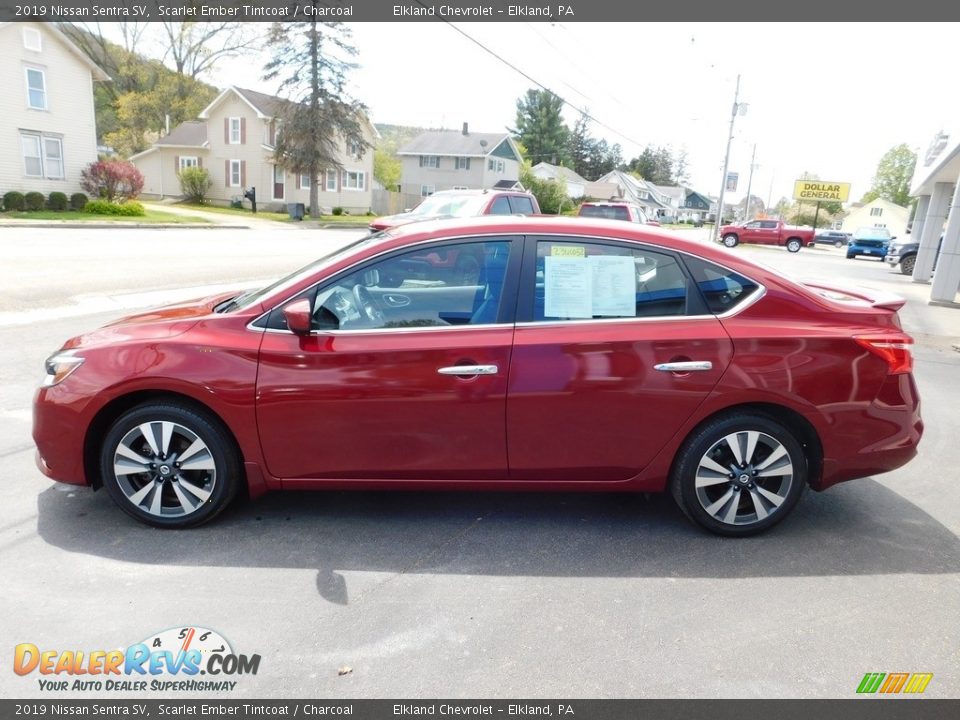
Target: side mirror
[297,315]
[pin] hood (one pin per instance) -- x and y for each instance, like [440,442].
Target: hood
[155,324]
[391,221]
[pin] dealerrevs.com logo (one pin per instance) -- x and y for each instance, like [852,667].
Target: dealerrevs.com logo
[184,659]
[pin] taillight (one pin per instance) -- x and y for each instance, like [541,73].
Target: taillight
[894,349]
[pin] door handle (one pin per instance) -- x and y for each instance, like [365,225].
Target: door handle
[684,367]
[468,370]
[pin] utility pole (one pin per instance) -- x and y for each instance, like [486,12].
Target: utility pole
[726,160]
[747,215]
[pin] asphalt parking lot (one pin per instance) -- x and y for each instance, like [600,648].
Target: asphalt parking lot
[470,595]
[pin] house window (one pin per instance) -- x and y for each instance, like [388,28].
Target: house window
[42,156]
[235,173]
[235,131]
[331,180]
[429,161]
[32,39]
[876,212]
[463,163]
[426,190]
[53,157]
[353,180]
[305,182]
[495,165]
[188,161]
[36,89]
[354,150]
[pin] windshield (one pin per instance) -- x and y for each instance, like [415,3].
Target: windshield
[610,212]
[252,297]
[451,206]
[872,233]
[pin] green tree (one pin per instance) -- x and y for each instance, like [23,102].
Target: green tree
[645,165]
[311,61]
[195,183]
[386,168]
[551,194]
[681,172]
[579,146]
[891,181]
[540,127]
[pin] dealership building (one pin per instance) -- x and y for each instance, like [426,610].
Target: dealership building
[938,211]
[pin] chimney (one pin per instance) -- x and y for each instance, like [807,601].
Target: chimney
[466,131]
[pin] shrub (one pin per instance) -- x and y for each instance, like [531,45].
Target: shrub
[77,201]
[13,200]
[195,182]
[105,207]
[113,180]
[34,201]
[57,201]
[338,210]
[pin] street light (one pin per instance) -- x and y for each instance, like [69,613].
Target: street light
[741,108]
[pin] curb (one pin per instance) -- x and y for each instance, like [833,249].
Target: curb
[122,225]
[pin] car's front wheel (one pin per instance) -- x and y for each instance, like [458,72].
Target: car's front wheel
[793,245]
[838,244]
[730,240]
[169,465]
[907,264]
[739,475]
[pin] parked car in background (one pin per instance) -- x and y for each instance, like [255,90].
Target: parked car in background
[615,211]
[904,254]
[463,203]
[869,241]
[584,355]
[766,232]
[831,237]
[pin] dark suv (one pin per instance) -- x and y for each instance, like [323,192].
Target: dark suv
[463,203]
[615,211]
[831,237]
[905,255]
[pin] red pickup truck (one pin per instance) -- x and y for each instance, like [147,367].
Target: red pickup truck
[767,232]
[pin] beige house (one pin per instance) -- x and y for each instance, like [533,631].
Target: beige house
[233,138]
[877,213]
[451,160]
[48,130]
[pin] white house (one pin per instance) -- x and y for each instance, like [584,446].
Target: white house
[234,138]
[577,186]
[48,130]
[877,213]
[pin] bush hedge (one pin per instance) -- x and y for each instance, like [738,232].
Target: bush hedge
[104,207]
[34,201]
[57,201]
[78,201]
[12,201]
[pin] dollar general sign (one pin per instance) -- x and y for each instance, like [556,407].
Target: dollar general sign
[820,190]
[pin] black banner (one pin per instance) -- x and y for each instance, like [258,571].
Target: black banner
[861,709]
[460,11]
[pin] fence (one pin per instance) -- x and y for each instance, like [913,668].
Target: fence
[385,202]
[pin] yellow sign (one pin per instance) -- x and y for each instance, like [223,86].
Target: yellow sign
[821,190]
[568,251]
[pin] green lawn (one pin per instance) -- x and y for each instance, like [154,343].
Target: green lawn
[362,220]
[152,217]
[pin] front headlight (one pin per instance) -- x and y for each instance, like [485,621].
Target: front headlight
[60,366]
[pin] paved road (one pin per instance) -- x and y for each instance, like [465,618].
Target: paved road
[474,595]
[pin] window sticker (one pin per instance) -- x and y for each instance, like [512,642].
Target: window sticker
[568,251]
[567,287]
[614,286]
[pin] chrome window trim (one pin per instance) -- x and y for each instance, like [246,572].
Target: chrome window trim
[755,296]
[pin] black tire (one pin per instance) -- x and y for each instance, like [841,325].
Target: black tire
[743,492]
[188,496]
[907,264]
[730,240]
[838,244]
[794,245]
[851,256]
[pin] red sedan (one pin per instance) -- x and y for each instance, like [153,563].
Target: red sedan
[582,355]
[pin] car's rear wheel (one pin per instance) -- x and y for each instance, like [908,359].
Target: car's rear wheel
[169,465]
[851,256]
[907,264]
[730,240]
[793,245]
[739,475]
[838,244]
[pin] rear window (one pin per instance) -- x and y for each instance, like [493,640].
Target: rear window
[722,289]
[610,212]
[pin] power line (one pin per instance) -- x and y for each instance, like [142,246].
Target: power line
[541,85]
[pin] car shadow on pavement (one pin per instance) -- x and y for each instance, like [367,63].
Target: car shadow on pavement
[860,528]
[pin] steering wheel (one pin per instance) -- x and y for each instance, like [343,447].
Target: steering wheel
[367,305]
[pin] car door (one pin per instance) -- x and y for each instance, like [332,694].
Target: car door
[614,350]
[404,375]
